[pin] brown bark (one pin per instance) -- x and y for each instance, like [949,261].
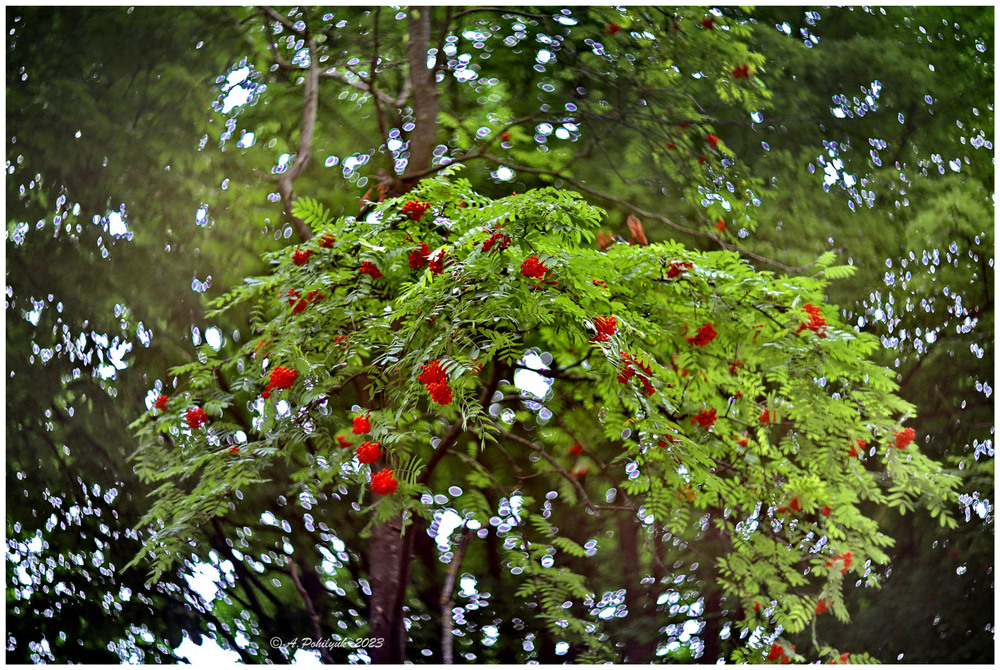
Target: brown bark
[423,139]
[389,576]
[390,549]
[640,636]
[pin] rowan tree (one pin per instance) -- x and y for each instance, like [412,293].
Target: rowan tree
[673,438]
[715,408]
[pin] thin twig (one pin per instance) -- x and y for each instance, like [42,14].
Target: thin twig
[313,615]
[446,602]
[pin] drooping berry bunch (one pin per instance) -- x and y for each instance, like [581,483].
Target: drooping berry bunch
[816,323]
[281,378]
[705,418]
[327,241]
[301,257]
[384,483]
[533,268]
[704,335]
[161,401]
[369,268]
[904,437]
[778,653]
[435,379]
[644,373]
[793,505]
[498,239]
[857,448]
[605,326]
[415,209]
[196,417]
[418,257]
[362,424]
[677,268]
[845,561]
[435,262]
[298,303]
[369,452]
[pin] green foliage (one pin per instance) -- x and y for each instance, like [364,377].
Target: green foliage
[716,397]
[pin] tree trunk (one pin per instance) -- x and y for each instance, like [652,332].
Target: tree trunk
[389,575]
[640,634]
[389,548]
[423,139]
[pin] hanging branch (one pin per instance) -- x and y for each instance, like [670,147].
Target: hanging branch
[425,95]
[447,639]
[313,615]
[310,95]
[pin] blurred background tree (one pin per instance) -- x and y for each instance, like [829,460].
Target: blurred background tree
[151,153]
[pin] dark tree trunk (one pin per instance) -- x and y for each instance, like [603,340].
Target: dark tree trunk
[389,573]
[640,635]
[423,139]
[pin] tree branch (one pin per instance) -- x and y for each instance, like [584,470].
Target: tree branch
[425,94]
[313,616]
[447,639]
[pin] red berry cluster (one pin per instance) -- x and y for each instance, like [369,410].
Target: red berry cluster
[626,372]
[605,326]
[362,424]
[857,448]
[778,653]
[369,452]
[498,239]
[708,22]
[196,417]
[533,268]
[384,483]
[612,29]
[233,450]
[161,402]
[705,418]
[677,268]
[904,437]
[576,449]
[281,378]
[733,366]
[741,71]
[418,257]
[846,560]
[666,440]
[713,140]
[705,335]
[415,209]
[435,379]
[327,241]
[793,505]
[301,257]
[436,264]
[298,303]
[817,323]
[765,416]
[369,268]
